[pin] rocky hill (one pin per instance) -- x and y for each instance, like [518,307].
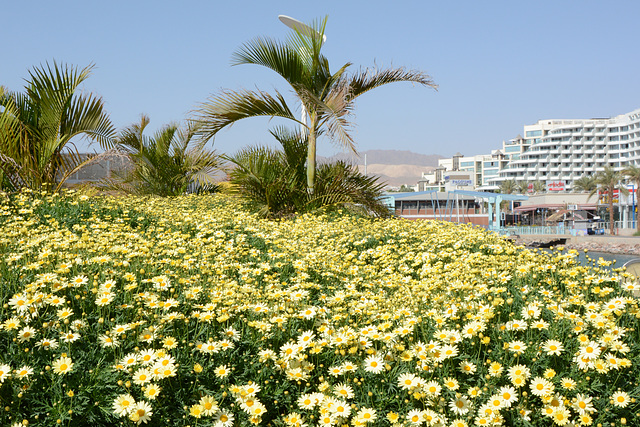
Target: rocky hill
[395,167]
[390,157]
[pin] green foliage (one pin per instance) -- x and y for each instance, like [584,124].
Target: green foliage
[522,187]
[632,172]
[272,182]
[507,187]
[70,212]
[606,183]
[37,128]
[166,164]
[432,303]
[585,184]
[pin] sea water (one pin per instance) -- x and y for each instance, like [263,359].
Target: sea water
[587,258]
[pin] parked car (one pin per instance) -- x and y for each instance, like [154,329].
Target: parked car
[596,228]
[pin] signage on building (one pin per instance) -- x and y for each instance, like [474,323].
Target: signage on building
[556,185]
[459,179]
[603,196]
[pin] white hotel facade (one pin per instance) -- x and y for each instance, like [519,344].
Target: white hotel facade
[560,151]
[551,152]
[555,152]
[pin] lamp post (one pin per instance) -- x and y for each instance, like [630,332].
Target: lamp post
[300,27]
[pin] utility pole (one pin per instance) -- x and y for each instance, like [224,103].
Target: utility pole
[365,164]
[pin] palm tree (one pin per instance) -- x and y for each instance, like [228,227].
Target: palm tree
[585,184]
[633,173]
[508,186]
[327,98]
[272,182]
[37,128]
[607,181]
[522,187]
[165,164]
[539,187]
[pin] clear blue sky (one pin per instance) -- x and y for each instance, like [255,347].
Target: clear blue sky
[499,64]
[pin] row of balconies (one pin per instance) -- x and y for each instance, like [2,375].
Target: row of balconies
[569,144]
[573,132]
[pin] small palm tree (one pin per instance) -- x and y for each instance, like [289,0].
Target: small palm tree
[327,98]
[585,184]
[165,164]
[272,182]
[633,173]
[37,128]
[607,182]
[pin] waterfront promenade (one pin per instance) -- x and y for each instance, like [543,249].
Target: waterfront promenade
[612,244]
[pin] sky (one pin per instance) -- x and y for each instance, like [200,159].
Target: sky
[499,65]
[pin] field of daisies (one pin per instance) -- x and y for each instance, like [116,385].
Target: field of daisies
[191,312]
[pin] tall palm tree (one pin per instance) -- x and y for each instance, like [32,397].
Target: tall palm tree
[37,128]
[633,173]
[327,98]
[164,164]
[607,182]
[585,184]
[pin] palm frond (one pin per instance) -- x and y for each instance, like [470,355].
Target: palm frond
[333,111]
[279,57]
[85,115]
[230,107]
[367,79]
[307,41]
[341,185]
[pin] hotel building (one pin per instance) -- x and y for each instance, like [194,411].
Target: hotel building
[554,153]
[560,151]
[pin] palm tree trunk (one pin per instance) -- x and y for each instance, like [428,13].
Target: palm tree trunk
[633,214]
[611,209]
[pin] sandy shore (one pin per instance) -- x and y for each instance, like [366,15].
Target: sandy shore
[612,248]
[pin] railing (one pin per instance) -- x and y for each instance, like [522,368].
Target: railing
[528,230]
[619,225]
[603,228]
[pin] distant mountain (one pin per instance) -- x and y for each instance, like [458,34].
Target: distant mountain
[389,157]
[394,167]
